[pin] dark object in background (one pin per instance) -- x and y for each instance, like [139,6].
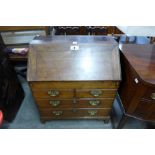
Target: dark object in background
[75,30]
[1,118]
[59,30]
[134,40]
[11,92]
[137,89]
[71,30]
[98,30]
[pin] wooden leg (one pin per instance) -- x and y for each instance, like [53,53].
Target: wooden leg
[42,120]
[122,121]
[106,121]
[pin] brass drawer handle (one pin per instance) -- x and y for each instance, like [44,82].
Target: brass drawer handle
[57,113]
[96,93]
[54,103]
[92,112]
[153,96]
[94,102]
[53,93]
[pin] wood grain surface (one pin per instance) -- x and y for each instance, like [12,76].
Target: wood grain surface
[50,59]
[142,58]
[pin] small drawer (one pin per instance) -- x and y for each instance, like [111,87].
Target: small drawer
[74,113]
[96,93]
[94,103]
[53,93]
[56,103]
[92,112]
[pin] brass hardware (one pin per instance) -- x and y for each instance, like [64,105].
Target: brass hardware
[57,113]
[54,103]
[96,93]
[92,112]
[53,93]
[153,96]
[74,101]
[94,102]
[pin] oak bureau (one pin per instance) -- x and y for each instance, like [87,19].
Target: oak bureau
[74,77]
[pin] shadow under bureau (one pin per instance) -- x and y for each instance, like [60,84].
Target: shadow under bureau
[74,77]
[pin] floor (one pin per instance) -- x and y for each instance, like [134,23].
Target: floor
[28,115]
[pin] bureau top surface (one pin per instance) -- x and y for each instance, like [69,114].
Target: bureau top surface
[142,59]
[73,58]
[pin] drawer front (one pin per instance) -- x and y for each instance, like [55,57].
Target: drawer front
[56,103]
[145,109]
[77,113]
[94,103]
[152,117]
[73,85]
[96,93]
[80,103]
[53,93]
[149,94]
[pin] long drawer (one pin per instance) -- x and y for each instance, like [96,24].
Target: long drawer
[77,85]
[73,113]
[70,93]
[79,103]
